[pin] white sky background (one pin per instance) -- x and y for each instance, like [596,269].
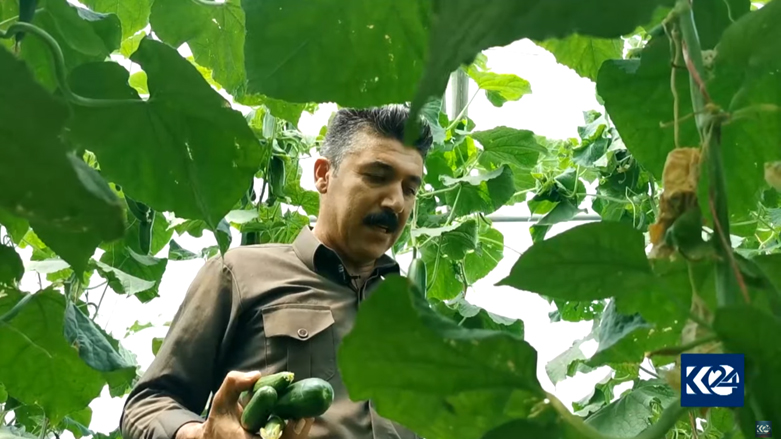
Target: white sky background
[554,109]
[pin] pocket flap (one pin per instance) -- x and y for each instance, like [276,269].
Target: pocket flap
[301,322]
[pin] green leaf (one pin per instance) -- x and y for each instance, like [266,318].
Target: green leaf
[484,193]
[93,346]
[282,229]
[638,98]
[458,34]
[33,160]
[557,368]
[138,81]
[456,243]
[15,226]
[223,235]
[372,52]
[564,211]
[573,311]
[747,330]
[83,36]
[746,77]
[76,423]
[121,282]
[130,45]
[184,150]
[487,254]
[11,266]
[500,87]
[146,268]
[214,33]
[625,338]
[431,112]
[157,342]
[587,262]
[178,253]
[3,394]
[584,54]
[133,14]
[33,346]
[631,413]
[503,145]
[161,234]
[492,377]
[136,327]
[442,273]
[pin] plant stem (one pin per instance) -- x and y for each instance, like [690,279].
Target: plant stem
[59,67]
[461,114]
[649,372]
[675,350]
[709,127]
[658,430]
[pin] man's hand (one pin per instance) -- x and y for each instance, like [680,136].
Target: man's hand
[224,421]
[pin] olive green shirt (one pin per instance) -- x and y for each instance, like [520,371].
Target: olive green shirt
[268,307]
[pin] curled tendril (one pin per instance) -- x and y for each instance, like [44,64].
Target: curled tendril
[59,67]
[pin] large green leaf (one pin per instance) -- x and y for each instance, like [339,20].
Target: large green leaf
[638,97]
[133,14]
[442,272]
[752,332]
[487,254]
[746,77]
[584,54]
[353,53]
[214,33]
[626,338]
[504,145]
[34,160]
[41,367]
[184,150]
[632,412]
[83,36]
[458,33]
[587,262]
[484,193]
[130,273]
[99,350]
[15,226]
[398,349]
[11,266]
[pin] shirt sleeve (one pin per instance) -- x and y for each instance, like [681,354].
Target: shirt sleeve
[176,387]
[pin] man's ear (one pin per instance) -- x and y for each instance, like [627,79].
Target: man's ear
[322,174]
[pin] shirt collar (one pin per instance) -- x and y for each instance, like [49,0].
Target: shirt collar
[323,260]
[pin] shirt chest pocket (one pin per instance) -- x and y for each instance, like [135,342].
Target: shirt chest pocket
[304,336]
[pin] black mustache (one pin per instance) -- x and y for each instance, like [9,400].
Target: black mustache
[384,218]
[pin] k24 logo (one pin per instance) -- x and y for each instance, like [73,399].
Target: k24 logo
[712,380]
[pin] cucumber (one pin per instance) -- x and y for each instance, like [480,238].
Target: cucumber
[279,381]
[273,428]
[417,274]
[259,408]
[307,398]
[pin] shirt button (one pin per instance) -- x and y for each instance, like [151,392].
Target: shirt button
[303,333]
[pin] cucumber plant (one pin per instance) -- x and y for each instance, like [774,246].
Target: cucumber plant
[684,158]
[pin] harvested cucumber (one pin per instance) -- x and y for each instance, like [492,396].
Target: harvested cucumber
[256,413]
[273,428]
[279,381]
[307,398]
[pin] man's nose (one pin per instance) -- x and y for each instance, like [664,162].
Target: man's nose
[394,199]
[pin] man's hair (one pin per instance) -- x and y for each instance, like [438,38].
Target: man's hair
[387,121]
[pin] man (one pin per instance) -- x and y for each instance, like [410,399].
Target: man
[273,307]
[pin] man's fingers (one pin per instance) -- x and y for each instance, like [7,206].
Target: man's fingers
[227,397]
[298,428]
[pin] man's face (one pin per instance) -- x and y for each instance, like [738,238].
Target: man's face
[371,196]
